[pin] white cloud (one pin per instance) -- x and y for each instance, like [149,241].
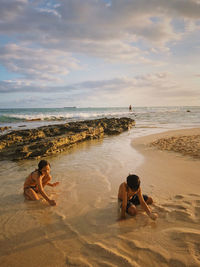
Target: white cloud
[75,21]
[162,88]
[45,41]
[37,64]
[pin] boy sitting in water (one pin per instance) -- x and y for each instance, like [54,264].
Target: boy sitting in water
[36,182]
[131,195]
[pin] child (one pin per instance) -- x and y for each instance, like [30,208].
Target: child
[131,195]
[37,180]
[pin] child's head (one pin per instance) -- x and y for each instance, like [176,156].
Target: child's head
[133,181]
[43,166]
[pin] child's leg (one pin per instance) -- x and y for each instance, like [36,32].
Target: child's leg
[132,210]
[30,194]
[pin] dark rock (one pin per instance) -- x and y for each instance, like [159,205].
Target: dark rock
[48,140]
[36,119]
[2,129]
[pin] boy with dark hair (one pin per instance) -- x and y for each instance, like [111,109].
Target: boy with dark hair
[131,195]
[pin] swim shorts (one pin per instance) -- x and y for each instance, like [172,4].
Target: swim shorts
[135,201]
[32,187]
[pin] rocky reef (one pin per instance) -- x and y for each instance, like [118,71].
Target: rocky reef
[2,129]
[48,140]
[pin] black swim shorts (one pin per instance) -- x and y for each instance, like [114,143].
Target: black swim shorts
[135,201]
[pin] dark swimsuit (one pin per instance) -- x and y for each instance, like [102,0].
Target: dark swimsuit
[135,201]
[34,187]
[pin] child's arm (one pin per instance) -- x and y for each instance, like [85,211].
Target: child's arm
[48,178]
[124,202]
[53,184]
[41,191]
[145,206]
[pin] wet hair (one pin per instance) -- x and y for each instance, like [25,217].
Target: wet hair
[133,181]
[42,164]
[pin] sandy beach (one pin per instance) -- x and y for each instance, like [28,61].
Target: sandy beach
[172,168]
[84,228]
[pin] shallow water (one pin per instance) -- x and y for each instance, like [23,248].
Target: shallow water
[84,224]
[89,174]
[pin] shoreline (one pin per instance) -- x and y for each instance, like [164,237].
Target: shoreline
[163,165]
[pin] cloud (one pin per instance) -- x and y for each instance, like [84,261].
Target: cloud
[46,41]
[153,88]
[37,64]
[75,21]
[154,84]
[11,9]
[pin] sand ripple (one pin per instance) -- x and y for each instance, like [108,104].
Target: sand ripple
[174,240]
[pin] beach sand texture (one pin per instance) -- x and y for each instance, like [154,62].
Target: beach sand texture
[84,228]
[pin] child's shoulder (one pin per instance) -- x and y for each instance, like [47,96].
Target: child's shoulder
[123,185]
[35,174]
[122,190]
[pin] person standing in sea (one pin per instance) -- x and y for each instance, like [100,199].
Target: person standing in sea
[36,182]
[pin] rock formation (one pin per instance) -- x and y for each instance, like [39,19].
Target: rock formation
[4,128]
[48,140]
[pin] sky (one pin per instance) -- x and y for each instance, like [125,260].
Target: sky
[99,53]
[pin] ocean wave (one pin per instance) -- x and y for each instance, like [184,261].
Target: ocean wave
[59,117]
[4,119]
[146,116]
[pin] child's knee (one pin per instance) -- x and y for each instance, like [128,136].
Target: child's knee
[149,200]
[132,210]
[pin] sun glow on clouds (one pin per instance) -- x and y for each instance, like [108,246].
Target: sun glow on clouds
[147,50]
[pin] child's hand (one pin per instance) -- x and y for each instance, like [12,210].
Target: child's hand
[55,184]
[153,216]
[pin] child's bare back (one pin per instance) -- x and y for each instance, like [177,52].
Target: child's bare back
[130,194]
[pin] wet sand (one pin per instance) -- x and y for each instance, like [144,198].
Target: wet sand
[174,177]
[84,228]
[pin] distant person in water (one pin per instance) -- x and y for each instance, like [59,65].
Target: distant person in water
[36,182]
[130,108]
[130,194]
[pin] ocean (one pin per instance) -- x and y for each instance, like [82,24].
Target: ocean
[167,117]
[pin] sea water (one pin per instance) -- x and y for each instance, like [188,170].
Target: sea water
[144,116]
